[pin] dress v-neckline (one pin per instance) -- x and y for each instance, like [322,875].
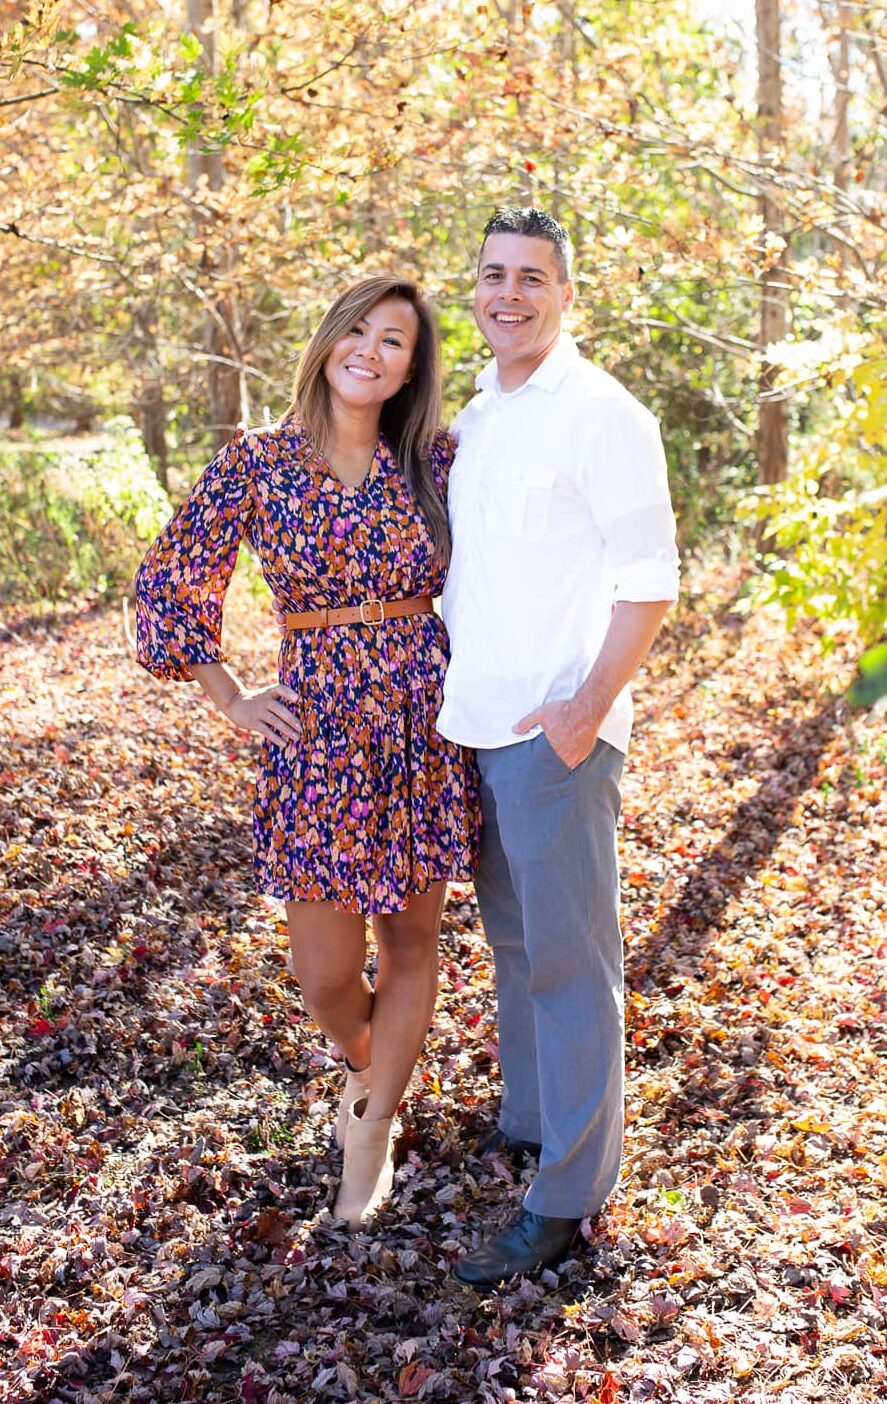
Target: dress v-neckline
[352,487]
[323,465]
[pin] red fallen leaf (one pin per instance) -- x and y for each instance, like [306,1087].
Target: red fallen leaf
[252,1391]
[271,1226]
[39,1027]
[838,1293]
[141,952]
[471,1338]
[529,166]
[412,1377]
[800,1206]
[610,1392]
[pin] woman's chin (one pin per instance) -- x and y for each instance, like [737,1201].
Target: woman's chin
[363,397]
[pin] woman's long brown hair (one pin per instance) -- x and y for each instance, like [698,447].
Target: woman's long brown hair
[409,420]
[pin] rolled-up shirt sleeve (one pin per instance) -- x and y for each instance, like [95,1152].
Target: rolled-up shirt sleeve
[181,584]
[632,505]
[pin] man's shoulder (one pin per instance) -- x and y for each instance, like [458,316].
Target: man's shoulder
[468,411]
[591,382]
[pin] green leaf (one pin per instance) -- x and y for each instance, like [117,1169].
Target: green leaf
[871,685]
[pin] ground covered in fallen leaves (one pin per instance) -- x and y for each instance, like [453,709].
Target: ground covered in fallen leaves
[166,1156]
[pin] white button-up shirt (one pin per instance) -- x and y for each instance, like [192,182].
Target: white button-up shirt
[559,507]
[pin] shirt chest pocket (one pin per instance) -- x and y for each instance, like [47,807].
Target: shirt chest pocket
[519,500]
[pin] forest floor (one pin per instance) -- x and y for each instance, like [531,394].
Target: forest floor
[166,1159]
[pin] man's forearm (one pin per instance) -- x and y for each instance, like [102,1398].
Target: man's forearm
[627,642]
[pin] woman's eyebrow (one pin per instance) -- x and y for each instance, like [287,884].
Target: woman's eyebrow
[365,321]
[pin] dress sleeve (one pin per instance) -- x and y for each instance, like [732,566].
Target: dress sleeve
[443,451]
[181,583]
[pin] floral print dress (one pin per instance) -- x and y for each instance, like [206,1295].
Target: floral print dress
[371,804]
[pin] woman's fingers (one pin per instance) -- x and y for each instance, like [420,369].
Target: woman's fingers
[283,721]
[268,714]
[261,729]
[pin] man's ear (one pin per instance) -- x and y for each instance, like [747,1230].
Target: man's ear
[569,295]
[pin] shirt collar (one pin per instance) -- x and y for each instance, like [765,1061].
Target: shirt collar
[562,356]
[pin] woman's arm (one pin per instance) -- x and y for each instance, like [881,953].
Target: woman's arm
[263,709]
[181,583]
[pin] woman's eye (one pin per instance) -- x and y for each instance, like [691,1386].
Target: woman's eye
[392,341]
[355,331]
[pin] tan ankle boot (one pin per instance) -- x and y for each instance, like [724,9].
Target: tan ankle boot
[368,1171]
[357,1085]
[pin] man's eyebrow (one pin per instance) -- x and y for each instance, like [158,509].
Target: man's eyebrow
[500,268]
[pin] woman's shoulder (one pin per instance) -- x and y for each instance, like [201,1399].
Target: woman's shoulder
[443,447]
[268,441]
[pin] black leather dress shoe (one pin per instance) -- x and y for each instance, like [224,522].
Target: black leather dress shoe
[496,1140]
[532,1241]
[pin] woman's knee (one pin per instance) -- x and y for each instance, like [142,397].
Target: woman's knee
[326,989]
[407,943]
[329,953]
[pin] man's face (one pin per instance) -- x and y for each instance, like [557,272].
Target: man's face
[519,300]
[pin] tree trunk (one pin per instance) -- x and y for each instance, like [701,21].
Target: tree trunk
[772,437]
[152,421]
[841,71]
[566,44]
[226,384]
[16,402]
[149,403]
[517,85]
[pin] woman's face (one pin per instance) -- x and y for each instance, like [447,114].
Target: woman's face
[373,359]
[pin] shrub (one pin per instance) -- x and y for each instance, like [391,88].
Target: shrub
[76,519]
[826,526]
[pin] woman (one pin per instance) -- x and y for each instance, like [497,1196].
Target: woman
[361,807]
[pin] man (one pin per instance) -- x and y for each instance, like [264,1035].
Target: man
[563,566]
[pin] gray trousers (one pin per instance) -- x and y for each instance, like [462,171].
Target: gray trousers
[548,890]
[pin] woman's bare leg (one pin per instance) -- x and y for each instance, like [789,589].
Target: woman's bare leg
[406,988]
[329,954]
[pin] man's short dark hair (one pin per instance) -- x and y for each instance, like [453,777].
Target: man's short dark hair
[533,224]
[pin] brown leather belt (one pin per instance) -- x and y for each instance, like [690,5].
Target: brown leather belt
[367,612]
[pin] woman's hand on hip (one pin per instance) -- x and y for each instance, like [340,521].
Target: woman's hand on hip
[266,710]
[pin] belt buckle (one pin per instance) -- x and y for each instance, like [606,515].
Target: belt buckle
[370,604]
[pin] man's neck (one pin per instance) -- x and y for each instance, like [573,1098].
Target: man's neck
[513,374]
